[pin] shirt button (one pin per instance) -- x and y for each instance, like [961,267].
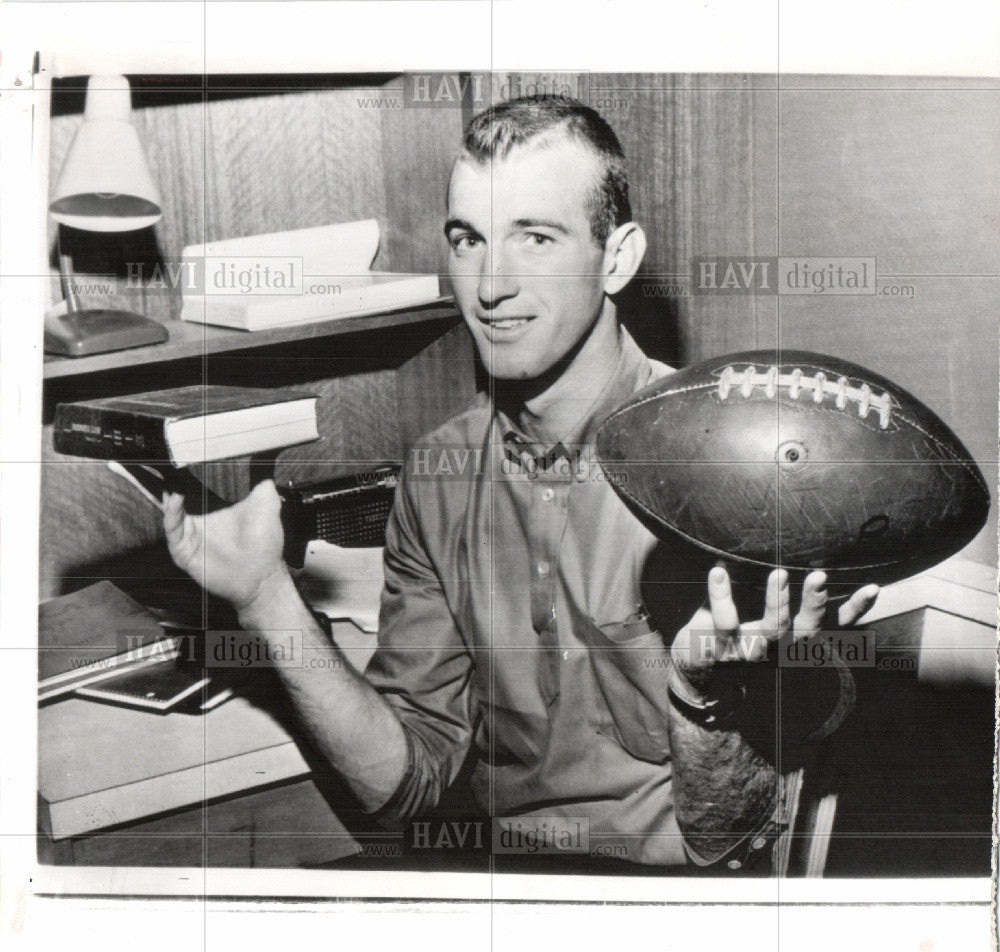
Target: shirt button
[734,864]
[548,494]
[565,656]
[543,569]
[758,844]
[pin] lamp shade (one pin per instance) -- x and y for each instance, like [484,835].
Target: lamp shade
[106,184]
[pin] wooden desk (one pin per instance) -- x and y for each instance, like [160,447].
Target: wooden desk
[912,765]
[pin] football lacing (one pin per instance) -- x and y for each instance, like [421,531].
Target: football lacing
[796,381]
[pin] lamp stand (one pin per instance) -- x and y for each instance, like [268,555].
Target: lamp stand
[83,331]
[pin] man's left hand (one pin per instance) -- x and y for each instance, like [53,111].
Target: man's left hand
[707,649]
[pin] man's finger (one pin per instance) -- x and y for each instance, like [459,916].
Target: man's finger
[777,611]
[857,605]
[725,618]
[809,620]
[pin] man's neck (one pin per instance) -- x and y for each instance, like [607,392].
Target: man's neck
[547,410]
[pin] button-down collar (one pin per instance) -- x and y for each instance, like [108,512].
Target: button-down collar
[630,373]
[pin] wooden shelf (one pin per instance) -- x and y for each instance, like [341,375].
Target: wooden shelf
[189,340]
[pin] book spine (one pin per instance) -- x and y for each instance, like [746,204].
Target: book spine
[99,433]
[44,816]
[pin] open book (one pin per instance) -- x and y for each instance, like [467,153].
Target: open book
[295,277]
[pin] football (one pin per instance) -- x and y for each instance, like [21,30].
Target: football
[795,459]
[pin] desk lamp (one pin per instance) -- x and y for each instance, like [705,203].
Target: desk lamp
[105,186]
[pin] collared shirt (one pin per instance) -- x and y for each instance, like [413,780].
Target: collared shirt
[512,620]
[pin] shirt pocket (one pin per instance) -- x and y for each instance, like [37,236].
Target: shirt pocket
[629,660]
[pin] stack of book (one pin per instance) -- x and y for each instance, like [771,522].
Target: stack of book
[101,644]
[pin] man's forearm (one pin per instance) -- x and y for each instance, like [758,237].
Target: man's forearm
[351,725]
[723,787]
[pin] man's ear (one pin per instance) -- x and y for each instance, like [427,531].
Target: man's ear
[623,252]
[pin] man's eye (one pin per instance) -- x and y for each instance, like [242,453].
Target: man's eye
[534,239]
[463,244]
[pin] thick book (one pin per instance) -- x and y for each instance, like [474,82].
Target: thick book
[186,424]
[102,765]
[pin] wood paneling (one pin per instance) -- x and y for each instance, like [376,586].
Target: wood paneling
[277,163]
[907,176]
[648,117]
[733,183]
[418,147]
[175,140]
[434,384]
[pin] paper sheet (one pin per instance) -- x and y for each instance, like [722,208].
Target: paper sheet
[343,583]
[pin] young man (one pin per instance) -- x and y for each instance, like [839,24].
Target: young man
[512,617]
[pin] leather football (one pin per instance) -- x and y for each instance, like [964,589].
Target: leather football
[798,460]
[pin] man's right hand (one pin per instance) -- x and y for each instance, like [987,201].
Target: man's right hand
[235,553]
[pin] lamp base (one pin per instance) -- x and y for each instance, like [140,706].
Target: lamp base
[98,331]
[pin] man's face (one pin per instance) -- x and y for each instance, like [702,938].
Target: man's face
[526,271]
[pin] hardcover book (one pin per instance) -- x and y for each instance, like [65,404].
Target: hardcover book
[186,424]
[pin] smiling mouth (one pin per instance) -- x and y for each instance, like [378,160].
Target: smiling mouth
[504,323]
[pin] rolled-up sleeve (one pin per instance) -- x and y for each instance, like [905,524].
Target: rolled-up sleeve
[422,666]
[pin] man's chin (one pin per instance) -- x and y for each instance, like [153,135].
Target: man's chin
[510,371]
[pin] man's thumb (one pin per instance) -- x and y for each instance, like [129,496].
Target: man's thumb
[264,497]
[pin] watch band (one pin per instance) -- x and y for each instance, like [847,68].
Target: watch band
[710,713]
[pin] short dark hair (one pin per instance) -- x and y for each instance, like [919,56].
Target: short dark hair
[496,130]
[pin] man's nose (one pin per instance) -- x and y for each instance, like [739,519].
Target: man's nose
[497,280]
